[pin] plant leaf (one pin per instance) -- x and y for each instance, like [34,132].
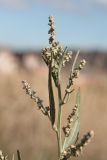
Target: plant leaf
[51,97]
[18,155]
[74,126]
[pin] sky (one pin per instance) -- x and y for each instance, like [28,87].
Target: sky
[79,23]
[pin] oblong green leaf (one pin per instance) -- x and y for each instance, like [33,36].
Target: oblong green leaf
[51,98]
[74,126]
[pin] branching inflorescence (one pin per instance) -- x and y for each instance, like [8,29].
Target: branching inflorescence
[56,58]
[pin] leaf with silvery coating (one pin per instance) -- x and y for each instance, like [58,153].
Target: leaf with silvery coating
[51,98]
[75,125]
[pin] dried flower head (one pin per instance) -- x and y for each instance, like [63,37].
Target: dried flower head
[36,99]
[70,119]
[51,30]
[76,150]
[54,55]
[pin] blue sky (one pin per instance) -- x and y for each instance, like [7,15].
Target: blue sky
[79,23]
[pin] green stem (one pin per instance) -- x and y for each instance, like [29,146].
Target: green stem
[59,120]
[58,144]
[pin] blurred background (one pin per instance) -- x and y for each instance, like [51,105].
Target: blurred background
[23,33]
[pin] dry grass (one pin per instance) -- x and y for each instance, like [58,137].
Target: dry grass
[22,126]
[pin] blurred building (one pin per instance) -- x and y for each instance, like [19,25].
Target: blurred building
[11,61]
[8,62]
[31,62]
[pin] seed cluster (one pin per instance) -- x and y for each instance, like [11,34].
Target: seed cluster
[54,55]
[36,99]
[70,119]
[76,150]
[51,30]
[74,75]
[85,140]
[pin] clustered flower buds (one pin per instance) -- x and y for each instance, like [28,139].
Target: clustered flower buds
[2,157]
[69,122]
[51,30]
[76,150]
[54,55]
[36,99]
[76,71]
[85,140]
[74,74]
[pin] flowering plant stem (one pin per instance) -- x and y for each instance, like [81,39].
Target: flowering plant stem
[56,58]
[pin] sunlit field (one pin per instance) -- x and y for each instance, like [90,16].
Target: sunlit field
[23,127]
